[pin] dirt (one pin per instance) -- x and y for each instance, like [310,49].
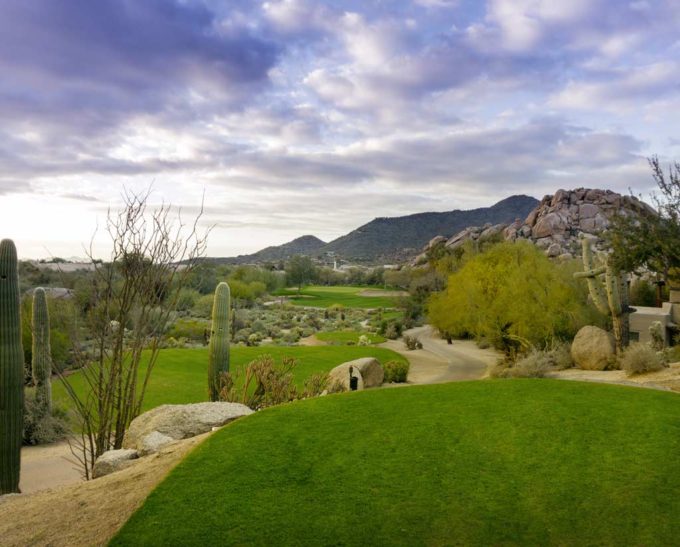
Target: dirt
[48,466]
[667,379]
[440,362]
[311,341]
[87,513]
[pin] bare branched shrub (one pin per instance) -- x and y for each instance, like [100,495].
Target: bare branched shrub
[641,358]
[131,299]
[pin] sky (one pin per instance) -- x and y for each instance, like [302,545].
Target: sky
[293,117]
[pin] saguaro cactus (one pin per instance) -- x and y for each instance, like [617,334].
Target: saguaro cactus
[11,370]
[219,339]
[610,294]
[42,355]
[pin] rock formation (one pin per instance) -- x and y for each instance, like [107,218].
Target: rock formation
[555,224]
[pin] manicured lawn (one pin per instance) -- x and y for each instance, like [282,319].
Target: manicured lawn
[514,462]
[181,376]
[346,336]
[349,297]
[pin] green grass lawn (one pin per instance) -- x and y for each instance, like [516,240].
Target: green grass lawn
[346,336]
[496,462]
[325,297]
[181,375]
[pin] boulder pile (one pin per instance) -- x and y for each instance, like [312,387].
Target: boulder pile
[555,224]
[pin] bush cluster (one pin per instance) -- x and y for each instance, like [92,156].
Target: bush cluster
[395,371]
[640,358]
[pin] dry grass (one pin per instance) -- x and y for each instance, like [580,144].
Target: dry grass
[86,513]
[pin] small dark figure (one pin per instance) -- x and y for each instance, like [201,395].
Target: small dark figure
[353,380]
[206,337]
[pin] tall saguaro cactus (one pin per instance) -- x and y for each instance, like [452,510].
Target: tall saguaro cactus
[11,370]
[42,356]
[218,350]
[609,294]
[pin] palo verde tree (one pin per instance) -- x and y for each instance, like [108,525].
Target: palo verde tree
[131,299]
[651,240]
[511,293]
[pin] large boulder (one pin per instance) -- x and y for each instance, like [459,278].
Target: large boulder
[153,430]
[593,348]
[368,371]
[112,461]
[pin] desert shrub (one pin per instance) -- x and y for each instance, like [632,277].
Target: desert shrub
[640,358]
[656,332]
[39,427]
[393,330]
[535,363]
[513,290]
[203,306]
[265,383]
[193,329]
[187,298]
[395,371]
[364,340]
[412,342]
[315,385]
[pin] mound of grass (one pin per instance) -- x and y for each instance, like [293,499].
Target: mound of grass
[529,462]
[180,375]
[346,336]
[349,297]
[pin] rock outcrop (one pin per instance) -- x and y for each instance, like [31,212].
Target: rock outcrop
[368,371]
[113,460]
[555,224]
[165,424]
[593,348]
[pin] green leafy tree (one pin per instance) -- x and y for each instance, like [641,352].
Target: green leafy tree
[511,292]
[300,271]
[651,239]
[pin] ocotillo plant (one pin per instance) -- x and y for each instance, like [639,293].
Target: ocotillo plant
[11,370]
[610,294]
[218,350]
[42,356]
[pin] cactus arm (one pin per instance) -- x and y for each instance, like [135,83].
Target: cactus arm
[218,350]
[612,282]
[41,365]
[11,371]
[595,288]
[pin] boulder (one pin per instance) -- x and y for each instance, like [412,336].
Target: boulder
[550,224]
[167,423]
[112,461]
[593,348]
[368,371]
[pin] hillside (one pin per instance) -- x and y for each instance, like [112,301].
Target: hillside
[304,245]
[393,238]
[400,237]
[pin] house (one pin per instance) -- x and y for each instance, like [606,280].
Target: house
[668,315]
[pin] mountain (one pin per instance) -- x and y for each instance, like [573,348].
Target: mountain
[397,238]
[304,245]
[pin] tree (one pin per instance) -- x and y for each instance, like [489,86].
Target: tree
[651,240]
[300,270]
[130,300]
[511,292]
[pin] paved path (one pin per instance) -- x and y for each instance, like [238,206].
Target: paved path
[47,466]
[439,362]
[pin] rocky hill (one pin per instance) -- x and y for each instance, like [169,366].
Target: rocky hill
[304,245]
[396,238]
[555,224]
